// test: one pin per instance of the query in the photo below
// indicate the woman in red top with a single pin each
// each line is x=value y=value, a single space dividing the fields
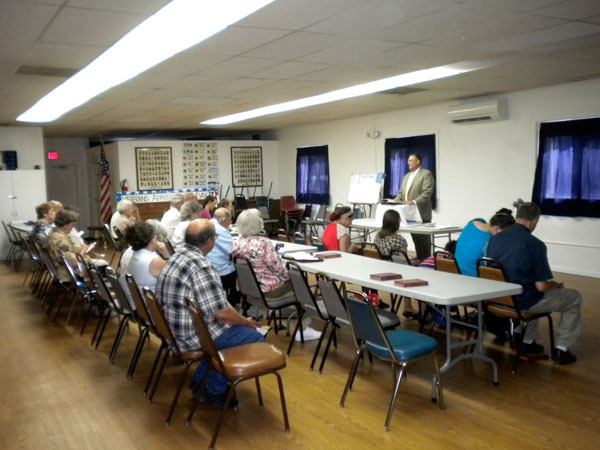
x=337 y=233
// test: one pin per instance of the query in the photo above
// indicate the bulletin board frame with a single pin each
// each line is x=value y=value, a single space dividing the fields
x=154 y=168
x=246 y=166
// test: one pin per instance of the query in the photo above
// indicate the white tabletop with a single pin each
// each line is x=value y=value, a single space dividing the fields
x=417 y=228
x=443 y=289
x=22 y=225
x=290 y=247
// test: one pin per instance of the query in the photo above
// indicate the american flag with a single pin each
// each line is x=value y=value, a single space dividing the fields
x=105 y=190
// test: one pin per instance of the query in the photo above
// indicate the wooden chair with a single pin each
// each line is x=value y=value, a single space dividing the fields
x=399 y=347
x=507 y=307
x=169 y=344
x=238 y=364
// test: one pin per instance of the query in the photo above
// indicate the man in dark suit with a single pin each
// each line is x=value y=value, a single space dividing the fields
x=417 y=188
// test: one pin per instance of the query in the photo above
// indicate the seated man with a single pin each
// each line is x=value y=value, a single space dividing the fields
x=44 y=225
x=189 y=274
x=172 y=217
x=220 y=256
x=525 y=262
x=125 y=216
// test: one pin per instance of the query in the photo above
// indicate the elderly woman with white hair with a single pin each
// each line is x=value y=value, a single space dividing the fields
x=125 y=216
x=172 y=216
x=190 y=210
x=270 y=270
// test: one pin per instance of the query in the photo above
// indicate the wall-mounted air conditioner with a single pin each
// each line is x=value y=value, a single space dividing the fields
x=483 y=111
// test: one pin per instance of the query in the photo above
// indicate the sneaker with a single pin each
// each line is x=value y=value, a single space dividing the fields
x=533 y=348
x=563 y=357
x=310 y=334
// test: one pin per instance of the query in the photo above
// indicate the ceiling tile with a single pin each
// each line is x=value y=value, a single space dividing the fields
x=239 y=66
x=295 y=45
x=295 y=15
x=350 y=51
x=71 y=56
x=514 y=5
x=90 y=27
x=129 y=6
x=572 y=9
x=24 y=19
x=12 y=49
x=187 y=63
x=235 y=40
x=202 y=101
x=238 y=85
x=289 y=70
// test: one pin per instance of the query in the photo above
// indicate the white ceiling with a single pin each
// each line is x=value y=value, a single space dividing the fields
x=291 y=49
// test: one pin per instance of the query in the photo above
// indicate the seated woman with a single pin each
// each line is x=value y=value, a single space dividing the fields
x=146 y=262
x=209 y=204
x=43 y=227
x=337 y=233
x=125 y=216
x=161 y=234
x=190 y=210
x=474 y=238
x=388 y=241
x=270 y=270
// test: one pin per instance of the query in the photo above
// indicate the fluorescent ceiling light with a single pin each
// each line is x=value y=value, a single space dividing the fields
x=176 y=27
x=406 y=79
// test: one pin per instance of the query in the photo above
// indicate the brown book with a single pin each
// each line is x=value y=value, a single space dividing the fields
x=327 y=255
x=411 y=283
x=385 y=276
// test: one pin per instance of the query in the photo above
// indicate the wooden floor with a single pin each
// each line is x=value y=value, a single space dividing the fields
x=56 y=392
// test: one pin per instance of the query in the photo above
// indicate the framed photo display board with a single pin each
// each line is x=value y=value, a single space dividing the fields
x=154 y=168
x=246 y=166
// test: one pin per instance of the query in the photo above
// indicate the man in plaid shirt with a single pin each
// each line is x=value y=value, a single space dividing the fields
x=190 y=274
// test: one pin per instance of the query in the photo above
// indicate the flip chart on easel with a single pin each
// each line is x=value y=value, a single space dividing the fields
x=365 y=188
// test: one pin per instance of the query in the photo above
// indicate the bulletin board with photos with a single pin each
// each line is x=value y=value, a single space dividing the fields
x=200 y=164
x=154 y=168
x=246 y=166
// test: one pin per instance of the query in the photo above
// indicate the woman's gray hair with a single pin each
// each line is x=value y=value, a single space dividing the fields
x=124 y=205
x=249 y=222
x=160 y=231
x=188 y=209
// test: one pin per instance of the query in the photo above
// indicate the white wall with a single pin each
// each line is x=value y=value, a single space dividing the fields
x=27 y=141
x=270 y=154
x=481 y=166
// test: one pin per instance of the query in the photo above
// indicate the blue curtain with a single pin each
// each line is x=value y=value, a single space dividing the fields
x=312 y=175
x=396 y=154
x=567 y=177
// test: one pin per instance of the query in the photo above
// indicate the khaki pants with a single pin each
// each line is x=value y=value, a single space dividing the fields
x=568 y=303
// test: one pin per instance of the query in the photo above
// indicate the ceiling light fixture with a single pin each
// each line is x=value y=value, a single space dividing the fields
x=176 y=27
x=371 y=87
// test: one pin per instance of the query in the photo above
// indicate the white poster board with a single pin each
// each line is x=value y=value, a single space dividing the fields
x=365 y=188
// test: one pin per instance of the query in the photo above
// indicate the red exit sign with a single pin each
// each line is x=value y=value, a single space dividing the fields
x=53 y=156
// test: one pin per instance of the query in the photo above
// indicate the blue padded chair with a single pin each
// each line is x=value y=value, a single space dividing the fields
x=396 y=346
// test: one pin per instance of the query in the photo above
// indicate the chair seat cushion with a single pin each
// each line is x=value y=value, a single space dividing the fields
x=251 y=360
x=388 y=319
x=406 y=344
x=282 y=301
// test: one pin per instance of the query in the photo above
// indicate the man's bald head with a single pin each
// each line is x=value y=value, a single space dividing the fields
x=223 y=216
x=201 y=234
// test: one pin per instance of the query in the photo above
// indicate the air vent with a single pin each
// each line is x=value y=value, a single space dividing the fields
x=61 y=72
x=403 y=91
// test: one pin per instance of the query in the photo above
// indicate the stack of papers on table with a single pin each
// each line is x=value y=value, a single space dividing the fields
x=301 y=256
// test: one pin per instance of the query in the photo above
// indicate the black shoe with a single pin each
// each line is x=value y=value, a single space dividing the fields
x=533 y=348
x=563 y=357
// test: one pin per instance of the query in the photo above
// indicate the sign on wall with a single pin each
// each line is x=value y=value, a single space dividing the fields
x=246 y=166
x=200 y=164
x=154 y=168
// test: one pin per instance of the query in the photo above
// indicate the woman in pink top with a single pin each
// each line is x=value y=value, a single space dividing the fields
x=209 y=204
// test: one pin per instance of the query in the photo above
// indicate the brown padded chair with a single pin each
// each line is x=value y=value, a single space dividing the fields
x=169 y=344
x=237 y=364
x=508 y=308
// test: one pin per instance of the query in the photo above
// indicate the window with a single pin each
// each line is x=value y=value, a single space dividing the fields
x=312 y=175
x=567 y=175
x=396 y=154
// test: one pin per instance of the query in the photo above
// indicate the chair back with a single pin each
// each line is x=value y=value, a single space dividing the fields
x=163 y=330
x=401 y=258
x=48 y=262
x=288 y=203
x=301 y=288
x=445 y=264
x=73 y=277
x=334 y=303
x=365 y=324
x=381 y=255
x=170 y=248
x=206 y=341
x=31 y=250
x=119 y=295
x=490 y=269
x=282 y=235
x=249 y=285
x=103 y=293
x=138 y=300
x=317 y=242
x=84 y=272
x=109 y=236
x=9 y=233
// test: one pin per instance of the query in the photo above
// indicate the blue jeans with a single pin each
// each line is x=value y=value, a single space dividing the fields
x=232 y=337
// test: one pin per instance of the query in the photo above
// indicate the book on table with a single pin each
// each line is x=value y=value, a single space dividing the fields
x=327 y=255
x=385 y=276
x=414 y=282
